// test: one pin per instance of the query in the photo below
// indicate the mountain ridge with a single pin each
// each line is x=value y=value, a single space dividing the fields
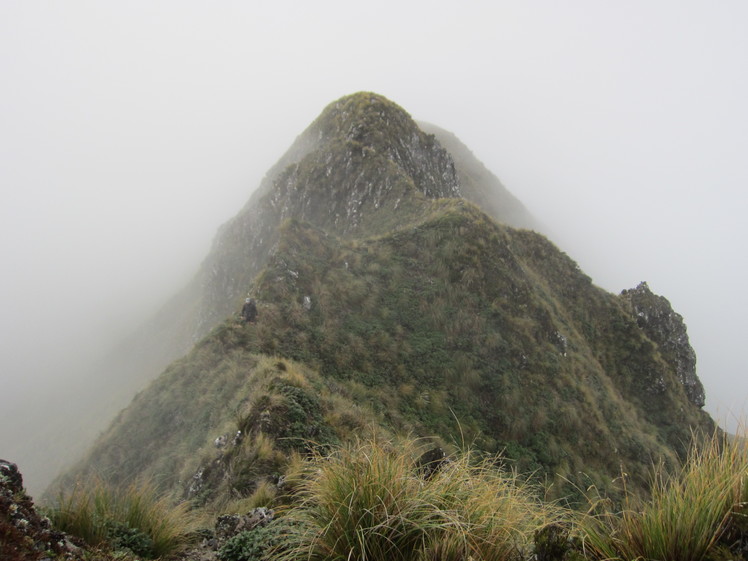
x=385 y=294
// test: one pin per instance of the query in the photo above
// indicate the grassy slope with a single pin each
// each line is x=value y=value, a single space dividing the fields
x=459 y=317
x=454 y=326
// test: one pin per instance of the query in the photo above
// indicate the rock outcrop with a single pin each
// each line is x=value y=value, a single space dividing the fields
x=656 y=317
x=24 y=534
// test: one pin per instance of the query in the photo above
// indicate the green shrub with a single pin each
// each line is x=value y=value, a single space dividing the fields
x=121 y=536
x=257 y=544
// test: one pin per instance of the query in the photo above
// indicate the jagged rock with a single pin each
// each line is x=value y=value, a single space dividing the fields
x=11 y=476
x=656 y=317
x=231 y=524
x=24 y=535
x=197 y=483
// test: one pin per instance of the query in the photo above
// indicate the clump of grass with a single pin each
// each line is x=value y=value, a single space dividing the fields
x=686 y=514
x=369 y=501
x=263 y=496
x=109 y=516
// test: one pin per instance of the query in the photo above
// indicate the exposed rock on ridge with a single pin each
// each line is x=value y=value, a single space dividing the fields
x=24 y=534
x=666 y=328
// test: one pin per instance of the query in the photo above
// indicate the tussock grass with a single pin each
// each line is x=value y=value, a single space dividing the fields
x=262 y=496
x=100 y=513
x=369 y=501
x=686 y=514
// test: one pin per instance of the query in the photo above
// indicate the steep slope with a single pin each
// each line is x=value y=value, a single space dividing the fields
x=458 y=317
x=388 y=301
x=452 y=326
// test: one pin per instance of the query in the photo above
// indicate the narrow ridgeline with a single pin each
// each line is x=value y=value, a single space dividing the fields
x=396 y=295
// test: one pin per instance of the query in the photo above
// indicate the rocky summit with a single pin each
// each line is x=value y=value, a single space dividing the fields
x=399 y=292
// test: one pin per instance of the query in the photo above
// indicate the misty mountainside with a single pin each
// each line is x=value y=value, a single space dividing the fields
x=379 y=167
x=396 y=296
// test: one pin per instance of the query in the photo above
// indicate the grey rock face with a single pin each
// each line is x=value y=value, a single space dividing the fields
x=656 y=317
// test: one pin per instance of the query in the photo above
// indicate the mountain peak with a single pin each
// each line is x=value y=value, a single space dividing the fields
x=364 y=117
x=364 y=138
x=361 y=105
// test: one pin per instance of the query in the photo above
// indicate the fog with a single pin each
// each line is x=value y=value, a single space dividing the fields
x=130 y=131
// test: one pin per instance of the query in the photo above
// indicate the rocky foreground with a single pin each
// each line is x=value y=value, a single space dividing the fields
x=25 y=534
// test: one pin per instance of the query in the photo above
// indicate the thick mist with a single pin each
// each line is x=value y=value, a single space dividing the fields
x=129 y=132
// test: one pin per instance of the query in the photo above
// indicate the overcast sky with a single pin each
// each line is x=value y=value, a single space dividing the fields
x=129 y=131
